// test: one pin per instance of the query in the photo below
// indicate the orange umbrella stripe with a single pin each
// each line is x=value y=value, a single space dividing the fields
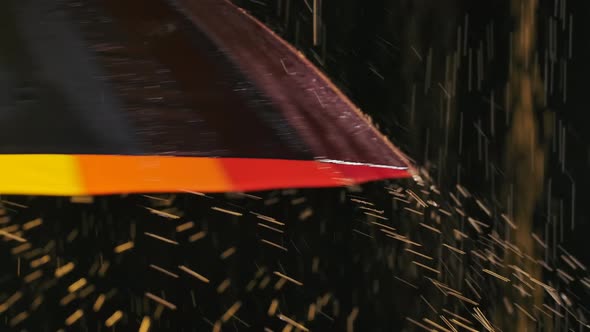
x=103 y=174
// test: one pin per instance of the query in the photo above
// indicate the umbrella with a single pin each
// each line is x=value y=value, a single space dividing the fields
x=158 y=96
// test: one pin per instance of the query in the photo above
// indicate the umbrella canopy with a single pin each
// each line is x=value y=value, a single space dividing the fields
x=153 y=96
